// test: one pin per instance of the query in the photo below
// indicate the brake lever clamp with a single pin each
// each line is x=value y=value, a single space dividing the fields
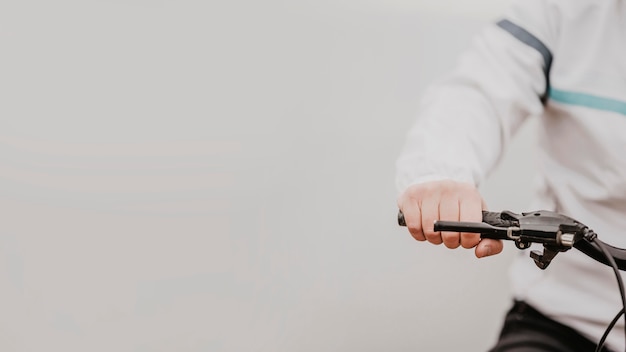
x=556 y=232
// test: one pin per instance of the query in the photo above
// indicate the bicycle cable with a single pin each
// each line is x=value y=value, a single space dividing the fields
x=591 y=236
x=608 y=330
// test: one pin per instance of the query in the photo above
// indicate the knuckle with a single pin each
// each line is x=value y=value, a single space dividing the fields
x=418 y=237
x=429 y=233
x=433 y=237
x=415 y=229
x=469 y=240
x=417 y=191
x=417 y=234
x=413 y=223
x=469 y=192
x=450 y=239
x=429 y=228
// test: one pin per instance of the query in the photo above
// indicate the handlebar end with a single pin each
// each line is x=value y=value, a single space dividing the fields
x=401 y=220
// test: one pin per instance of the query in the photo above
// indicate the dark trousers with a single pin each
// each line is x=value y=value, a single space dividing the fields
x=527 y=330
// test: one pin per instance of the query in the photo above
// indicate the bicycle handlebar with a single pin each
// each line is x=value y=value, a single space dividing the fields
x=557 y=233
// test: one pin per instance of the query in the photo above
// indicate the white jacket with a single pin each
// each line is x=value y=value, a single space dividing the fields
x=564 y=60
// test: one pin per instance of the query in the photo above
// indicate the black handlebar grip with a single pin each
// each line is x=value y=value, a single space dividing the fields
x=401 y=221
x=489 y=217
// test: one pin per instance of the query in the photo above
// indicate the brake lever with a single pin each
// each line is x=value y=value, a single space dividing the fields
x=557 y=233
x=485 y=230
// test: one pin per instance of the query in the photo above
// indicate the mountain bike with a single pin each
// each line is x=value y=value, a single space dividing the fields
x=556 y=232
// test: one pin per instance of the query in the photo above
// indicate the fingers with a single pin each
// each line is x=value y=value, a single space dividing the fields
x=423 y=204
x=449 y=211
x=430 y=214
x=470 y=209
x=427 y=203
x=413 y=219
x=486 y=247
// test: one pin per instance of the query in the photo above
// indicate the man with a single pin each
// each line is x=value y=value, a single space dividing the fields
x=564 y=60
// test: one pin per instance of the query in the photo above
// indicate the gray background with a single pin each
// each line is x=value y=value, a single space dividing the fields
x=201 y=176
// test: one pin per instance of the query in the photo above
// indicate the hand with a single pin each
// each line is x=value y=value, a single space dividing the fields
x=423 y=204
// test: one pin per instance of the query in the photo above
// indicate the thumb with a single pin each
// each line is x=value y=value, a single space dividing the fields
x=487 y=247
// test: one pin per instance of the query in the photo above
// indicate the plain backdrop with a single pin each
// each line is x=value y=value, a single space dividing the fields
x=219 y=176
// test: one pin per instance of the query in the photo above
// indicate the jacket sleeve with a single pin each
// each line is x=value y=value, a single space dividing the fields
x=466 y=119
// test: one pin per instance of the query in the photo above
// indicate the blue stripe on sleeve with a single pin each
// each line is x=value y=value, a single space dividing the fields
x=588 y=100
